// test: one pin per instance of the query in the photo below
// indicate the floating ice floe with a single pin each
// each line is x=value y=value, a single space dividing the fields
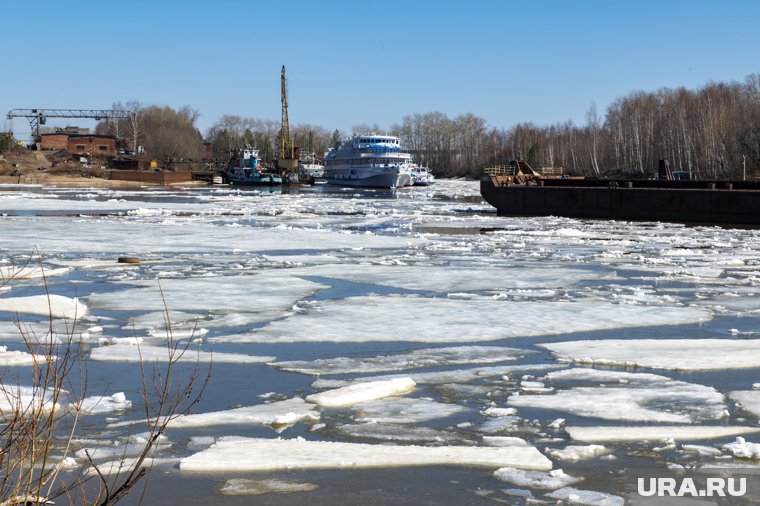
x=441 y=377
x=415 y=359
x=16 y=399
x=251 y=454
x=8 y=273
x=575 y=453
x=504 y=441
x=399 y=432
x=261 y=296
x=675 y=354
x=246 y=486
x=601 y=434
x=446 y=278
x=636 y=399
x=361 y=392
x=450 y=320
x=55 y=306
x=404 y=410
x=743 y=450
x=748 y=400
x=131 y=353
x=279 y=413
x=536 y=479
x=11 y=358
x=586 y=497
x=103 y=404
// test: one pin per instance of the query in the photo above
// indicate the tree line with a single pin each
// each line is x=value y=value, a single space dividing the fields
x=711 y=132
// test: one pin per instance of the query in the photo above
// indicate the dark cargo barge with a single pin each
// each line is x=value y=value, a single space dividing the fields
x=687 y=201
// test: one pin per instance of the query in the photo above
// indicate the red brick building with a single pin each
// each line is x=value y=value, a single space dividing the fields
x=94 y=145
x=54 y=141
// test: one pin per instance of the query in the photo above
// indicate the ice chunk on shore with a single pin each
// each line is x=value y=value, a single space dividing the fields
x=131 y=353
x=246 y=486
x=536 y=479
x=279 y=413
x=675 y=354
x=360 y=392
x=56 y=306
x=637 y=398
x=451 y=320
x=425 y=357
x=405 y=410
x=251 y=454
x=601 y=434
x=575 y=453
x=586 y=497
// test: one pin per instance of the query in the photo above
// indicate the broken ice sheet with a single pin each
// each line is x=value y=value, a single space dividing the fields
x=748 y=400
x=449 y=278
x=675 y=354
x=362 y=391
x=254 y=454
x=399 y=432
x=640 y=397
x=575 y=453
x=405 y=410
x=103 y=404
x=424 y=357
x=586 y=497
x=265 y=295
x=145 y=353
x=54 y=306
x=451 y=320
x=280 y=413
x=598 y=434
x=536 y=479
x=246 y=486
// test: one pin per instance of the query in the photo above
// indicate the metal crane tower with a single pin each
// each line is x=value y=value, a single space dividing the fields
x=39 y=117
x=287 y=161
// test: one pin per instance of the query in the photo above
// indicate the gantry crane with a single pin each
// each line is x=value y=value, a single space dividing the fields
x=287 y=159
x=39 y=117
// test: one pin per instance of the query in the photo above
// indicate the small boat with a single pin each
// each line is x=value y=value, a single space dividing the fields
x=248 y=171
x=421 y=176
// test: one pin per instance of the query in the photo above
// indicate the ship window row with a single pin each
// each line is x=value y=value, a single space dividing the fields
x=365 y=161
x=391 y=141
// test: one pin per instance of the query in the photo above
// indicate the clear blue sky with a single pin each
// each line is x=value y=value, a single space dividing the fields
x=353 y=62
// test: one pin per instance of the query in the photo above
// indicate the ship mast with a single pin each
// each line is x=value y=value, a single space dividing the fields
x=286 y=160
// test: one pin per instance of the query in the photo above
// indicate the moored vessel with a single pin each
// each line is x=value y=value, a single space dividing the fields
x=368 y=160
x=247 y=171
x=518 y=190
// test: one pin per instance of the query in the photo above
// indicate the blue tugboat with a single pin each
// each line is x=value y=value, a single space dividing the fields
x=248 y=171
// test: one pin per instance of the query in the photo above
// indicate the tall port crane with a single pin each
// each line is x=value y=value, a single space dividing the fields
x=287 y=159
x=39 y=117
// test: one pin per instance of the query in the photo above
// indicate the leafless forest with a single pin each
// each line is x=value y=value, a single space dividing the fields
x=711 y=132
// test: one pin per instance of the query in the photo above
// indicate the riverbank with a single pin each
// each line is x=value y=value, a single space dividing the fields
x=78 y=181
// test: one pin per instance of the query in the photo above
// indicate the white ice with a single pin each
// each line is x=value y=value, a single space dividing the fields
x=277 y=413
x=639 y=397
x=452 y=320
x=448 y=278
x=748 y=400
x=574 y=453
x=405 y=410
x=11 y=358
x=361 y=392
x=504 y=441
x=399 y=432
x=675 y=354
x=250 y=454
x=132 y=353
x=424 y=357
x=103 y=404
x=246 y=486
x=599 y=434
x=536 y=479
x=8 y=273
x=18 y=398
x=261 y=296
x=586 y=497
x=743 y=449
x=55 y=306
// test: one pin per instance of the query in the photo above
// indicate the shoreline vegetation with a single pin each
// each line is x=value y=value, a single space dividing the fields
x=710 y=132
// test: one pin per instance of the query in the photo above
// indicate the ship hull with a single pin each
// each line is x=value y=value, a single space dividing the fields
x=383 y=180
x=719 y=202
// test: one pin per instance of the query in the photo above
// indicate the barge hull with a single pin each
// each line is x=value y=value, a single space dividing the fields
x=721 y=203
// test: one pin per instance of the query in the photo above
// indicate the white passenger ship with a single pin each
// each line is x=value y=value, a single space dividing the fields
x=368 y=160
